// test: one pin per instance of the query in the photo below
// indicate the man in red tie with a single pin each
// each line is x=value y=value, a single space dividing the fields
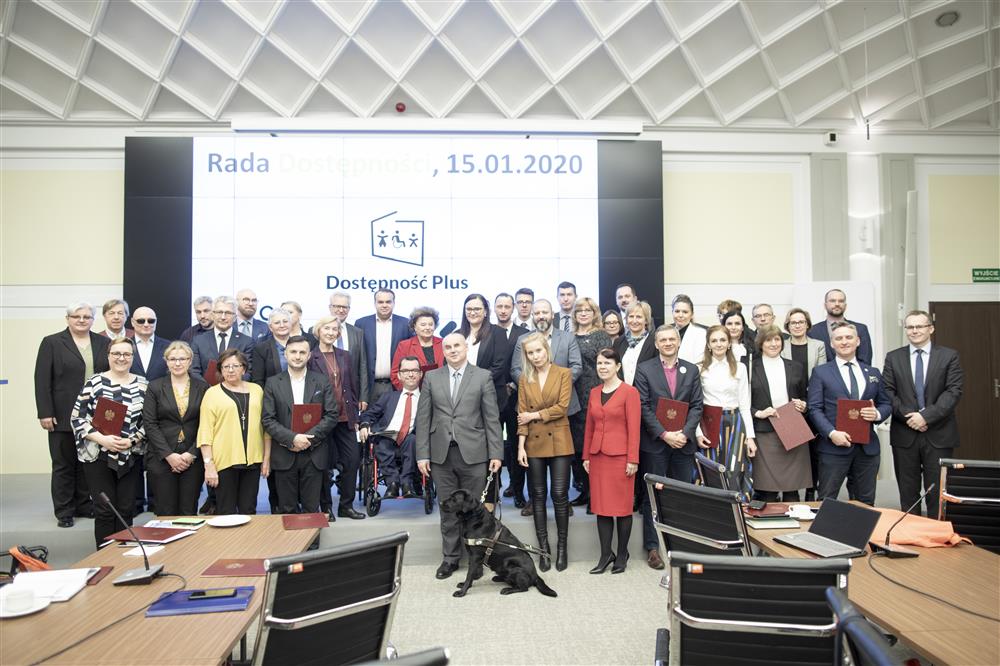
x=394 y=413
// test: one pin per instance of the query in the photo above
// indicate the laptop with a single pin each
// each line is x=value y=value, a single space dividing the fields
x=840 y=529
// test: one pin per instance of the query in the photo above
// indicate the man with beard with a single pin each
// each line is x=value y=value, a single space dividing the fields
x=835 y=303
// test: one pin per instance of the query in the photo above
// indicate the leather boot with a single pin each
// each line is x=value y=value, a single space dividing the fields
x=544 y=561
x=562 y=530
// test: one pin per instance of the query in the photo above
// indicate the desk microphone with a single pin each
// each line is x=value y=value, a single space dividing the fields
x=133 y=576
x=896 y=551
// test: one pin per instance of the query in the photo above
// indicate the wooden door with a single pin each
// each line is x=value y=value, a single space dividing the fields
x=974 y=330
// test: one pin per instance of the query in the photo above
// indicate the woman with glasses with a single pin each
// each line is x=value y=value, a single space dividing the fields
x=65 y=361
x=613 y=325
x=171 y=415
x=808 y=353
x=590 y=338
x=109 y=460
x=234 y=447
x=424 y=344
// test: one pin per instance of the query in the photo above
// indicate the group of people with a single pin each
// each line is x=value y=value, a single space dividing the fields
x=563 y=397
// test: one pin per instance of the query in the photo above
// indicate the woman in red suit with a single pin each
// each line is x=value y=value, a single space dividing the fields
x=424 y=345
x=611 y=457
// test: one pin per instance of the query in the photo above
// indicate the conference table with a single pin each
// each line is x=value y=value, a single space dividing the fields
x=181 y=639
x=964 y=575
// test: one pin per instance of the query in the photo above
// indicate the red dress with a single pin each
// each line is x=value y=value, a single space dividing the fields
x=610 y=440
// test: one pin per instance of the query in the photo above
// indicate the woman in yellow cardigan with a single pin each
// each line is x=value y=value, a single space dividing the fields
x=544 y=439
x=234 y=446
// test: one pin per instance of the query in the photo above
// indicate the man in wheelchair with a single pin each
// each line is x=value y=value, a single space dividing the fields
x=390 y=419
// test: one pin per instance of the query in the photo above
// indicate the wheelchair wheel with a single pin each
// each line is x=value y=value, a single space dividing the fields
x=373 y=503
x=429 y=495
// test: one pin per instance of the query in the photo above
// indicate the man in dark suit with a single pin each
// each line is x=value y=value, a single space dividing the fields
x=203 y=315
x=835 y=303
x=60 y=371
x=924 y=385
x=566 y=297
x=846 y=378
x=269 y=352
x=503 y=307
x=458 y=436
x=352 y=340
x=383 y=332
x=207 y=346
x=396 y=411
x=662 y=452
x=298 y=459
x=624 y=297
x=148 y=360
x=246 y=324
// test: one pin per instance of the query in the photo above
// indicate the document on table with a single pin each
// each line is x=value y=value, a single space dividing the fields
x=54 y=584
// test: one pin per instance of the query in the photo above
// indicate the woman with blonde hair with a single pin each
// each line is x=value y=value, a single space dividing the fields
x=590 y=338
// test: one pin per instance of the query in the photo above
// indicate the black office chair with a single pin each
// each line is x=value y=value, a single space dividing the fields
x=750 y=611
x=865 y=644
x=332 y=606
x=697 y=519
x=970 y=499
x=712 y=474
x=438 y=656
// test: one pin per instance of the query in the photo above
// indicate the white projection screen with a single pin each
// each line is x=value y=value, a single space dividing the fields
x=434 y=219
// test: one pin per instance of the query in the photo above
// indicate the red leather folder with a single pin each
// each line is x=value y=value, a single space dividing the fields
x=791 y=427
x=212 y=373
x=711 y=424
x=109 y=417
x=849 y=420
x=235 y=568
x=304 y=521
x=672 y=414
x=306 y=417
x=148 y=534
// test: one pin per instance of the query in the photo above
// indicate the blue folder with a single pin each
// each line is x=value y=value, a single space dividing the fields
x=180 y=603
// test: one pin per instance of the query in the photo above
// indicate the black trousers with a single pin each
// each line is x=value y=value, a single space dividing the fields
x=345 y=454
x=119 y=489
x=454 y=473
x=70 y=495
x=557 y=469
x=176 y=494
x=662 y=461
x=508 y=420
x=299 y=486
x=237 y=490
x=385 y=452
x=917 y=467
x=577 y=426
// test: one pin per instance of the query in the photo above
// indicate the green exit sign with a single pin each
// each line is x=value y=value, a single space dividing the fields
x=986 y=274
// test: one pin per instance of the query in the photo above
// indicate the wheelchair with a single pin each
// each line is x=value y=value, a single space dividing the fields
x=371 y=478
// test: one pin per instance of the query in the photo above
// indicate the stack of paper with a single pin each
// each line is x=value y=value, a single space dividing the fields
x=55 y=584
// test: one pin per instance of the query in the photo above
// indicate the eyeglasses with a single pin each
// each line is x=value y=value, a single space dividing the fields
x=248 y=300
x=120 y=354
x=230 y=368
x=340 y=307
x=183 y=359
x=797 y=322
x=143 y=322
x=764 y=315
x=473 y=309
x=409 y=372
x=80 y=317
x=223 y=313
x=916 y=327
x=522 y=302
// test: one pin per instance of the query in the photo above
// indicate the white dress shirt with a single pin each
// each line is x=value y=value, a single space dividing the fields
x=383 y=351
x=298 y=389
x=473 y=353
x=913 y=361
x=630 y=359
x=527 y=323
x=777 y=382
x=396 y=422
x=858 y=375
x=145 y=350
x=721 y=389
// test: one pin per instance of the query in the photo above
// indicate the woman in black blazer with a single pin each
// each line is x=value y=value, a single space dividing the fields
x=638 y=336
x=171 y=413
x=776 y=381
x=65 y=361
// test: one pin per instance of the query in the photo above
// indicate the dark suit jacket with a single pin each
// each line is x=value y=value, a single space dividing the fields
x=400 y=331
x=652 y=385
x=359 y=361
x=943 y=379
x=266 y=361
x=260 y=328
x=277 y=418
x=380 y=413
x=647 y=350
x=164 y=423
x=826 y=386
x=189 y=333
x=507 y=394
x=493 y=356
x=760 y=389
x=822 y=333
x=157 y=365
x=349 y=393
x=206 y=348
x=59 y=370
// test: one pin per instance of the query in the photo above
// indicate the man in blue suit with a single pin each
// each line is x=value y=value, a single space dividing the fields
x=148 y=360
x=208 y=345
x=396 y=411
x=383 y=332
x=847 y=378
x=246 y=324
x=835 y=303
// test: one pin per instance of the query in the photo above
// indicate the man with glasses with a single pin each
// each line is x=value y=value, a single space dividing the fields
x=352 y=340
x=383 y=331
x=835 y=302
x=524 y=300
x=203 y=313
x=395 y=413
x=65 y=361
x=246 y=324
x=924 y=383
x=763 y=316
x=148 y=361
x=207 y=346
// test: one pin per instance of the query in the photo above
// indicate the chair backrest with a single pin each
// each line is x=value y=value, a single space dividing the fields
x=711 y=473
x=865 y=644
x=750 y=611
x=438 y=656
x=331 y=606
x=970 y=499
x=697 y=519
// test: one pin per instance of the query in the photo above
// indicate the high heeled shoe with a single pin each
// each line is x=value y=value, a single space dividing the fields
x=620 y=568
x=603 y=564
x=562 y=558
x=544 y=561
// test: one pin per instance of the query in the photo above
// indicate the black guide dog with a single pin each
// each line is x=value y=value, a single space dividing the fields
x=511 y=564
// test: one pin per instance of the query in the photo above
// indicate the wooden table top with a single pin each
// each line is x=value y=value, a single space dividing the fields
x=183 y=639
x=964 y=575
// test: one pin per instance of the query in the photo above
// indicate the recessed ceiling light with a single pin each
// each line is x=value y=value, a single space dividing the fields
x=947 y=19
